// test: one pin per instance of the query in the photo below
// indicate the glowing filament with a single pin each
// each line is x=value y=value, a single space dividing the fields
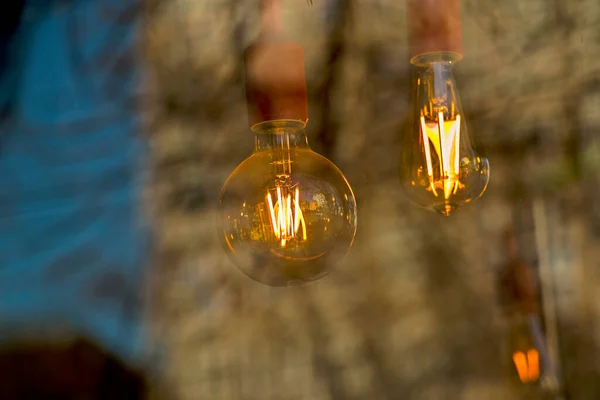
x=286 y=216
x=445 y=138
x=528 y=365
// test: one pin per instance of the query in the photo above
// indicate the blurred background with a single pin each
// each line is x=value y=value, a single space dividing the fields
x=497 y=301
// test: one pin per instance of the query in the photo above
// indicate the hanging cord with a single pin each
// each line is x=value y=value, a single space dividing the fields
x=275 y=71
x=271 y=21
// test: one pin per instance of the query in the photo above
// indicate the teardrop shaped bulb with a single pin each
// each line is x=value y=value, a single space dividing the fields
x=440 y=169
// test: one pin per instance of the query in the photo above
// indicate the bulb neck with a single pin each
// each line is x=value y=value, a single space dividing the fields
x=271 y=21
x=278 y=135
x=436 y=58
x=437 y=90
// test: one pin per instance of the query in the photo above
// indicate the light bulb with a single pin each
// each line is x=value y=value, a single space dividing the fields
x=287 y=215
x=440 y=169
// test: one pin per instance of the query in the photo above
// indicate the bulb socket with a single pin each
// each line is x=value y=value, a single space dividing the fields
x=275 y=82
x=434 y=27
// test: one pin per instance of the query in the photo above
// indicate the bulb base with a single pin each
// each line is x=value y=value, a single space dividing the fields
x=275 y=82
x=433 y=27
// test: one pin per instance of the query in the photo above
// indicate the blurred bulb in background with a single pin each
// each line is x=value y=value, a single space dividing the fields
x=440 y=169
x=286 y=214
x=525 y=357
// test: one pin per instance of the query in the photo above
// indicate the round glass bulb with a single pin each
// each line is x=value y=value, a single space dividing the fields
x=287 y=215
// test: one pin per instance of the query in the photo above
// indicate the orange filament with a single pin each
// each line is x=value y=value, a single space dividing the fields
x=445 y=138
x=528 y=365
x=286 y=216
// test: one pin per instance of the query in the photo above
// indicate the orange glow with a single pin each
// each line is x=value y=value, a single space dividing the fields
x=286 y=216
x=527 y=364
x=534 y=364
x=445 y=138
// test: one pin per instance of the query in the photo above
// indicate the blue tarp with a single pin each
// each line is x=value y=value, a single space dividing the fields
x=72 y=238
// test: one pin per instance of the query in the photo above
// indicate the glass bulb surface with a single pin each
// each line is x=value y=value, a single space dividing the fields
x=287 y=215
x=440 y=169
